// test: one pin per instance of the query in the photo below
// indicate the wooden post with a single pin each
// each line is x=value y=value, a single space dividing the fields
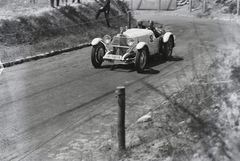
x=121 y=118
x=129 y=19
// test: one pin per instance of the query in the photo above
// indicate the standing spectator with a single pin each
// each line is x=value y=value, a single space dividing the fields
x=58 y=2
x=106 y=10
x=52 y=3
x=78 y=1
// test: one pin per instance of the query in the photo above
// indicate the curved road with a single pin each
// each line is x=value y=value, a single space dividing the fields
x=61 y=108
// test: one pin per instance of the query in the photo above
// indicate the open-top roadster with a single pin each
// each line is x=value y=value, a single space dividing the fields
x=132 y=46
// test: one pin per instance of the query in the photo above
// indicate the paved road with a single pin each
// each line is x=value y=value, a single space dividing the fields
x=60 y=108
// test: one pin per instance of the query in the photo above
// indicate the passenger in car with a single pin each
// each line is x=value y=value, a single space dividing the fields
x=140 y=24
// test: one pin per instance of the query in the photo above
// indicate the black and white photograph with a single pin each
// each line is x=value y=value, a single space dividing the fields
x=119 y=80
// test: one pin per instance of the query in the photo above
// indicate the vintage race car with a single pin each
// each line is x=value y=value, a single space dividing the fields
x=132 y=46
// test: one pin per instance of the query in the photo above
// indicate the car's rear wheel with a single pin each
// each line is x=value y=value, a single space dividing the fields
x=98 y=51
x=141 y=59
x=168 y=48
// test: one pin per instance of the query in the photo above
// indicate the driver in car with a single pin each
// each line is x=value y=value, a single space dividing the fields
x=151 y=27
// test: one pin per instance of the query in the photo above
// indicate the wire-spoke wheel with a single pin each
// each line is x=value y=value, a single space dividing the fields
x=98 y=51
x=168 y=48
x=141 y=59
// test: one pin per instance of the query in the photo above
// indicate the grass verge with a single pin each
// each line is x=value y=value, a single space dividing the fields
x=200 y=122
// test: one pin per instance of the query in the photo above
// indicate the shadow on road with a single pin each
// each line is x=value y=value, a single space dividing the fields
x=176 y=58
x=119 y=67
x=153 y=62
x=156 y=61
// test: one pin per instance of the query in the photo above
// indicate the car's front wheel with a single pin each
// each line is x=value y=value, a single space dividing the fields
x=98 y=51
x=141 y=59
x=168 y=48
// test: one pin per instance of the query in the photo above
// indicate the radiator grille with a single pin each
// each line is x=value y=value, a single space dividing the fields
x=120 y=45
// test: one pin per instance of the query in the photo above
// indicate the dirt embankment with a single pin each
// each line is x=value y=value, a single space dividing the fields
x=48 y=29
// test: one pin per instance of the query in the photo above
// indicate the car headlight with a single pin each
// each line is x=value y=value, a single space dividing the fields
x=130 y=41
x=107 y=39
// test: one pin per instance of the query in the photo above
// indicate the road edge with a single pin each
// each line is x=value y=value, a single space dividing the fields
x=45 y=55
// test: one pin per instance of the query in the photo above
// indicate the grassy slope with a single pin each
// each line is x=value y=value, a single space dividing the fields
x=30 y=33
x=201 y=122
x=215 y=8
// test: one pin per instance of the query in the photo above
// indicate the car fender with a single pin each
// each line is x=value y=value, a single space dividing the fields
x=140 y=45
x=96 y=41
x=166 y=36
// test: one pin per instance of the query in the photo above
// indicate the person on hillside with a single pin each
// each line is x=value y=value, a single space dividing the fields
x=58 y=2
x=106 y=9
x=78 y=1
x=52 y=3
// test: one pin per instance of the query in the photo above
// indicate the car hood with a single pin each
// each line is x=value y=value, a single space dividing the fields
x=136 y=33
x=139 y=35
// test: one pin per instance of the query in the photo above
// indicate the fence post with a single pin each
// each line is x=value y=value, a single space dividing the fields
x=129 y=19
x=121 y=117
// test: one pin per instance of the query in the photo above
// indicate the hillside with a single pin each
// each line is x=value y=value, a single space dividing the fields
x=29 y=29
x=215 y=8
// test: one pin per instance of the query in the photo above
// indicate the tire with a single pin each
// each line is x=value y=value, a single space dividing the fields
x=98 y=51
x=168 y=48
x=141 y=59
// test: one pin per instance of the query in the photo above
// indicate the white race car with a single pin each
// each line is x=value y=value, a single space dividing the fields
x=132 y=46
